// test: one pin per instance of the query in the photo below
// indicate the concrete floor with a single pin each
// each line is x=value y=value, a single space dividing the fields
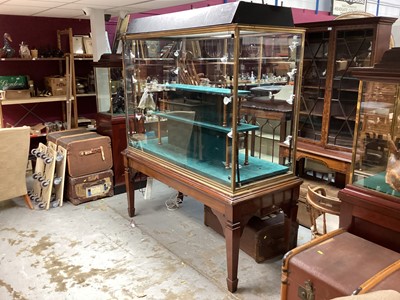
x=95 y=251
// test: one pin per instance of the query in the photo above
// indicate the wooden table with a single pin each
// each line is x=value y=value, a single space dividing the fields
x=269 y=110
x=338 y=161
x=233 y=210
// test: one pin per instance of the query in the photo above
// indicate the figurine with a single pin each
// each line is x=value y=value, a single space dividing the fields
x=392 y=177
x=24 y=51
x=118 y=101
x=7 y=51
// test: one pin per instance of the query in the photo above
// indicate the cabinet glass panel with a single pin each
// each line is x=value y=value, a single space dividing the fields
x=110 y=90
x=353 y=49
x=186 y=91
x=313 y=88
x=377 y=164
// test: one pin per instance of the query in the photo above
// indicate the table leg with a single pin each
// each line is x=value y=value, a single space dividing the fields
x=232 y=239
x=130 y=191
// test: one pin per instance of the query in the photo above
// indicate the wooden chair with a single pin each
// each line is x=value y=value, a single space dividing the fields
x=324 y=211
x=14 y=152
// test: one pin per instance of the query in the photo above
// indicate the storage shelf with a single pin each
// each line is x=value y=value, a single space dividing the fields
x=206 y=89
x=85 y=95
x=225 y=129
x=34 y=59
x=33 y=100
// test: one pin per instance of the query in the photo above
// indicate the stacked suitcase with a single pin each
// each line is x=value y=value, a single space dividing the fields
x=89 y=162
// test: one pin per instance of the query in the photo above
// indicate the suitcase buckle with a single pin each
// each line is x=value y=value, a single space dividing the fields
x=306 y=292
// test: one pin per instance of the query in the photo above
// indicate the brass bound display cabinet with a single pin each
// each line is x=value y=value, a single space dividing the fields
x=187 y=76
x=371 y=203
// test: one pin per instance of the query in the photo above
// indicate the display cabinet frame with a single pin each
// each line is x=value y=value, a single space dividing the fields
x=233 y=201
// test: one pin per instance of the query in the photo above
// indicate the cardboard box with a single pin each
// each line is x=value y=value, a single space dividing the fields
x=14 y=94
x=57 y=85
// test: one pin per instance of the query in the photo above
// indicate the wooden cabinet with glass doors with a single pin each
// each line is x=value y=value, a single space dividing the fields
x=329 y=92
x=371 y=202
x=191 y=78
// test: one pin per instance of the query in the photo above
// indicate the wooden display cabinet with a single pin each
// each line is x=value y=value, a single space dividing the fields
x=329 y=92
x=189 y=76
x=371 y=203
x=111 y=119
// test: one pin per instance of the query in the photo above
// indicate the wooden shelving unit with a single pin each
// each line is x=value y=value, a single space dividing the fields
x=67 y=99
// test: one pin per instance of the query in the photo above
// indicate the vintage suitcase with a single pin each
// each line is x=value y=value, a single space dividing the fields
x=338 y=264
x=261 y=239
x=89 y=187
x=54 y=136
x=88 y=153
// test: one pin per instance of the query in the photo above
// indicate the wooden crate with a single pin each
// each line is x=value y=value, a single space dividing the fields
x=14 y=94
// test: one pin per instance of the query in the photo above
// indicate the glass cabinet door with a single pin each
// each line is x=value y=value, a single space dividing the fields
x=377 y=163
x=313 y=89
x=353 y=49
x=110 y=90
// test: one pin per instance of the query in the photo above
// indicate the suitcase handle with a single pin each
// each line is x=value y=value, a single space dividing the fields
x=93 y=151
x=90 y=184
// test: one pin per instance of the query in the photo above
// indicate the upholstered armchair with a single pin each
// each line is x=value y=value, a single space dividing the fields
x=14 y=152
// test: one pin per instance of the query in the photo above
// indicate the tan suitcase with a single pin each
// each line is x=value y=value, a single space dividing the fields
x=88 y=153
x=90 y=187
x=55 y=135
x=338 y=264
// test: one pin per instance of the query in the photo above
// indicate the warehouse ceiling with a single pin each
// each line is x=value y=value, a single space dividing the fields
x=74 y=9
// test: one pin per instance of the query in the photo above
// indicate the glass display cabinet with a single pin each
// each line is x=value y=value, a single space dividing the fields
x=110 y=121
x=371 y=203
x=190 y=73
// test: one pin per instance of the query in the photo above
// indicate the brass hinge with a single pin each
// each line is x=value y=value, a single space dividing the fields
x=306 y=292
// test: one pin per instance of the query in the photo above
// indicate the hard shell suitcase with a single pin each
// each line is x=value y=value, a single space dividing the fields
x=54 y=136
x=262 y=239
x=90 y=187
x=87 y=153
x=338 y=264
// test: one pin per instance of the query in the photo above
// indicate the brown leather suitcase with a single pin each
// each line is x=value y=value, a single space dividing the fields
x=88 y=153
x=54 y=136
x=338 y=264
x=90 y=187
x=262 y=239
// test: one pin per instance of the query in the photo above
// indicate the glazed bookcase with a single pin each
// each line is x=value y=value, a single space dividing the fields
x=329 y=93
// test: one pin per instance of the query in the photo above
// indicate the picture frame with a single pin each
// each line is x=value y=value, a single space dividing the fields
x=78 y=44
x=87 y=43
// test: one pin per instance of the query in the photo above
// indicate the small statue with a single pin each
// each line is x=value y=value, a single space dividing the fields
x=7 y=51
x=118 y=101
x=392 y=177
x=24 y=51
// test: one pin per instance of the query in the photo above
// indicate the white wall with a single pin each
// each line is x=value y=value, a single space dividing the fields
x=387 y=8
